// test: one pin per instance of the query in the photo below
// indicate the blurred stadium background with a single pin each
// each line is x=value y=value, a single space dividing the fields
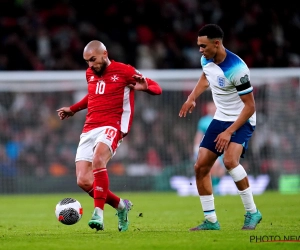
x=41 y=69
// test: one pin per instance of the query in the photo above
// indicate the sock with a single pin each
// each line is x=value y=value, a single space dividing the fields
x=208 y=206
x=121 y=205
x=91 y=192
x=247 y=199
x=101 y=184
x=99 y=211
x=112 y=199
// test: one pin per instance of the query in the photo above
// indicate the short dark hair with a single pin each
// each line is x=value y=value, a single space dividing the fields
x=211 y=31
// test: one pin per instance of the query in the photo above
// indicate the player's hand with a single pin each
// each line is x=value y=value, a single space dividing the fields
x=188 y=106
x=140 y=83
x=64 y=112
x=222 y=141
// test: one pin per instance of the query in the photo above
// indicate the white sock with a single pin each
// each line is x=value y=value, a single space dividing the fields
x=121 y=205
x=208 y=206
x=248 y=201
x=99 y=211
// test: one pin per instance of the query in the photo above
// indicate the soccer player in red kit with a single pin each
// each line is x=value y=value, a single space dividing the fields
x=110 y=103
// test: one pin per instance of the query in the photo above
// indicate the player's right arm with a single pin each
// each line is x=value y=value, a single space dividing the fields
x=190 y=103
x=66 y=112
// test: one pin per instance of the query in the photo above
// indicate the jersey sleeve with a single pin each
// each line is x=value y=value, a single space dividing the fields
x=204 y=61
x=129 y=72
x=241 y=80
x=153 y=87
x=82 y=104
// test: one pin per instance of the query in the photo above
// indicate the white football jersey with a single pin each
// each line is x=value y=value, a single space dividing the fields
x=228 y=81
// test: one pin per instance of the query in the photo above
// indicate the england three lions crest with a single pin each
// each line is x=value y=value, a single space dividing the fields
x=221 y=81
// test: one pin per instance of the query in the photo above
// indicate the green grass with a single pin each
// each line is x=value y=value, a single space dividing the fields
x=28 y=222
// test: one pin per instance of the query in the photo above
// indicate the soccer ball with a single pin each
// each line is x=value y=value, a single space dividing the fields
x=68 y=211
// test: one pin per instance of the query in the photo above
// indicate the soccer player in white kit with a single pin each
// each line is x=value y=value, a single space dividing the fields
x=234 y=121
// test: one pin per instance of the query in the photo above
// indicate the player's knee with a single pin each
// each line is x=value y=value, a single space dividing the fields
x=84 y=182
x=99 y=162
x=200 y=169
x=230 y=163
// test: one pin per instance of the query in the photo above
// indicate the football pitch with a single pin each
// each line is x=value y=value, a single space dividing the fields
x=157 y=221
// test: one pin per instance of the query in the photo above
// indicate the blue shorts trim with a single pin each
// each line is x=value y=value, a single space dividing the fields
x=241 y=136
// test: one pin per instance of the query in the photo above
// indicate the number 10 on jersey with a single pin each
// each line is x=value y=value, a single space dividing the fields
x=100 y=87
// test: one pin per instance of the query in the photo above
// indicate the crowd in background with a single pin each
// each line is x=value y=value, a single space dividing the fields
x=34 y=142
x=152 y=34
x=50 y=35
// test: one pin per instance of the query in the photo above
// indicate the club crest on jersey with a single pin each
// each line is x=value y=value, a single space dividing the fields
x=244 y=79
x=114 y=78
x=221 y=81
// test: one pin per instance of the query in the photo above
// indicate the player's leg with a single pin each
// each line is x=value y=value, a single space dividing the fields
x=84 y=171
x=102 y=155
x=85 y=177
x=84 y=158
x=85 y=180
x=107 y=142
x=83 y=161
x=217 y=171
x=206 y=159
x=122 y=207
x=232 y=155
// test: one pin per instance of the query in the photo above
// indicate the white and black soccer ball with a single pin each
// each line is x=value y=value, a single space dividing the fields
x=68 y=211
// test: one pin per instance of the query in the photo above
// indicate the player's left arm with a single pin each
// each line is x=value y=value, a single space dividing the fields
x=241 y=80
x=223 y=139
x=139 y=82
x=147 y=85
x=246 y=113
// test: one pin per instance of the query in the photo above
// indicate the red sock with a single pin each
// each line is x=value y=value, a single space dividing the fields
x=101 y=184
x=112 y=199
x=91 y=191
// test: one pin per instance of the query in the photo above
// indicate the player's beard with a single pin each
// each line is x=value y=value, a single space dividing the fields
x=100 y=72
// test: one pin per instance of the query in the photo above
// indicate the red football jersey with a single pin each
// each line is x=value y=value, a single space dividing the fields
x=110 y=102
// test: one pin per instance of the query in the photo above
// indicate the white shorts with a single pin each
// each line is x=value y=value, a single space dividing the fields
x=108 y=135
